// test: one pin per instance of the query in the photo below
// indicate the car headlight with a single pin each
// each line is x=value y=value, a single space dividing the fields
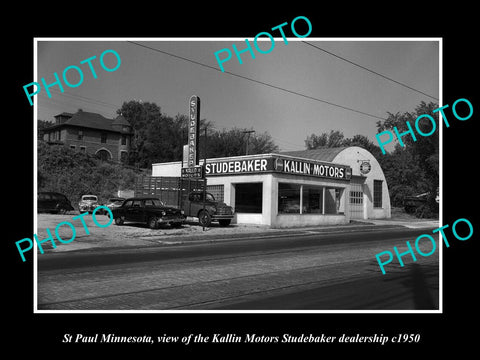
x=163 y=213
x=182 y=212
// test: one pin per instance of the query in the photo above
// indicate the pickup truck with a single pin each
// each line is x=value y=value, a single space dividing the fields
x=147 y=210
x=192 y=205
x=185 y=194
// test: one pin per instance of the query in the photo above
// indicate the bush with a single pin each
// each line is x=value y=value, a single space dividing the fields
x=74 y=174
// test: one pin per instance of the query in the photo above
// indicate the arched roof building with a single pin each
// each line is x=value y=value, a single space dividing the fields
x=297 y=188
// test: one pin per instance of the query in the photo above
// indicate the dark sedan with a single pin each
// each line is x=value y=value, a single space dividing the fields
x=53 y=202
x=150 y=211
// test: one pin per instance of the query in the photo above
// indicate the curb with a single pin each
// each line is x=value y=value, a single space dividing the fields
x=187 y=239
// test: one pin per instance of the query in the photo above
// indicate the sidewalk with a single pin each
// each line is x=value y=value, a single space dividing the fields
x=412 y=224
x=139 y=235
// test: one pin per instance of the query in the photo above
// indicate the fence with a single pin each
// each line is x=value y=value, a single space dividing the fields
x=170 y=190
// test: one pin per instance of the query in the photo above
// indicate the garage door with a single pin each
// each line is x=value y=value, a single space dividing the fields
x=356 y=198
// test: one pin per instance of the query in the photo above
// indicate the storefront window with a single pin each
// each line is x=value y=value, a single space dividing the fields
x=249 y=198
x=332 y=201
x=288 y=198
x=312 y=200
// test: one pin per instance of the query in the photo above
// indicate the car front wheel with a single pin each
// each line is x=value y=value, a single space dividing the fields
x=119 y=221
x=153 y=222
x=204 y=218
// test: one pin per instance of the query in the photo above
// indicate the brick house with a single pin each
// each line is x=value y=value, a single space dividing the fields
x=109 y=139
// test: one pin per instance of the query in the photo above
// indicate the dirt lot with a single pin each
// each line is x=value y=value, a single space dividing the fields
x=138 y=235
x=129 y=234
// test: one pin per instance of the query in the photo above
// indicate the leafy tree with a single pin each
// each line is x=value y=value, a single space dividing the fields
x=410 y=170
x=74 y=173
x=233 y=142
x=160 y=138
x=42 y=124
x=334 y=138
x=423 y=152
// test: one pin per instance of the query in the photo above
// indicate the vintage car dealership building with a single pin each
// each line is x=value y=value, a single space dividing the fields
x=309 y=187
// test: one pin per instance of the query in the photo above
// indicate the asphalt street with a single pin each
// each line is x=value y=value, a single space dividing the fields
x=292 y=270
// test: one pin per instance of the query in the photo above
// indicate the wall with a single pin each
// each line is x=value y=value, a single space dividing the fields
x=91 y=141
x=353 y=156
x=269 y=215
x=292 y=220
x=229 y=196
x=167 y=169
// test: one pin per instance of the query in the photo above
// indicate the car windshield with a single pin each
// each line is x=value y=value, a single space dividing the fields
x=94 y=198
x=116 y=201
x=153 y=203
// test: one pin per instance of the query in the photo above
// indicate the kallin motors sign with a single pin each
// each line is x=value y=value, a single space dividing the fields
x=313 y=168
x=279 y=165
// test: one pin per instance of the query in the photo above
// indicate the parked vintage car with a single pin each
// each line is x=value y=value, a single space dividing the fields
x=88 y=203
x=212 y=211
x=53 y=202
x=149 y=210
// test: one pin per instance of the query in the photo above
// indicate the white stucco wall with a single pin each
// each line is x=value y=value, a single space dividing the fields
x=353 y=156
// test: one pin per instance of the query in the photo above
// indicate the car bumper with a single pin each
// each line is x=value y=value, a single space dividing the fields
x=222 y=217
x=171 y=219
x=88 y=208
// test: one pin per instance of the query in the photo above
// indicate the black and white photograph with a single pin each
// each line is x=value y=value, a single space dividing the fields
x=294 y=196
x=243 y=180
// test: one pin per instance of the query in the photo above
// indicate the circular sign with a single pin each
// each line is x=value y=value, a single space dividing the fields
x=279 y=164
x=365 y=167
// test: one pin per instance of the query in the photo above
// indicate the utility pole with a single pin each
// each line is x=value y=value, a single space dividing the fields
x=204 y=174
x=248 y=138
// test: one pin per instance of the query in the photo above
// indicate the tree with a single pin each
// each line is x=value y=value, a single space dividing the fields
x=156 y=137
x=334 y=138
x=75 y=173
x=223 y=143
x=42 y=124
x=160 y=138
x=410 y=170
x=414 y=167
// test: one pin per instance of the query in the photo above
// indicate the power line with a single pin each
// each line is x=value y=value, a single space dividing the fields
x=257 y=81
x=369 y=70
x=86 y=99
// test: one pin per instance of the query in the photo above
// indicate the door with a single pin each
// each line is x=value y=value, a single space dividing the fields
x=195 y=203
x=44 y=202
x=356 y=198
x=134 y=211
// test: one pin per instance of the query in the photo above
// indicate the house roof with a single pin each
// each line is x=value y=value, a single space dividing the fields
x=92 y=120
x=64 y=114
x=120 y=120
x=322 y=154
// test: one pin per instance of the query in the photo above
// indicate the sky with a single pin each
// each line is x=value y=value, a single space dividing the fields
x=230 y=101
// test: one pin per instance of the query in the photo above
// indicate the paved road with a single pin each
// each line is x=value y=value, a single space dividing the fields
x=300 y=270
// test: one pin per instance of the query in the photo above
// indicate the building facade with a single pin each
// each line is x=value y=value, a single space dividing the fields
x=301 y=188
x=109 y=139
